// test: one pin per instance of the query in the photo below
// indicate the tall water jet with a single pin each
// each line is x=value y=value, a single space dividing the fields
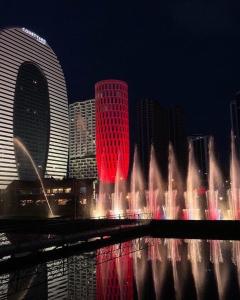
x=174 y=256
x=215 y=184
x=221 y=269
x=193 y=209
x=155 y=188
x=174 y=195
x=119 y=195
x=157 y=258
x=197 y=259
x=22 y=147
x=136 y=203
x=124 y=267
x=103 y=197
x=234 y=193
x=140 y=266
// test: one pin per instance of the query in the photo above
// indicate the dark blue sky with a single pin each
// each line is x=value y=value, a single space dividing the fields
x=179 y=52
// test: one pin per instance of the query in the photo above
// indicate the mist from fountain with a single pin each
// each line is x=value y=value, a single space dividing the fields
x=18 y=143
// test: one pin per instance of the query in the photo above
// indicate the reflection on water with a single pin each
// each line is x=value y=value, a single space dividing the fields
x=144 y=268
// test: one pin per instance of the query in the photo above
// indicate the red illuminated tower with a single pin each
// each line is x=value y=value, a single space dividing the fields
x=112 y=129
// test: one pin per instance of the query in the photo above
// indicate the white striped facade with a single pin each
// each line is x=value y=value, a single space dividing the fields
x=17 y=47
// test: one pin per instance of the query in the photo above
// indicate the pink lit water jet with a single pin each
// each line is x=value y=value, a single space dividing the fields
x=157 y=258
x=155 y=188
x=197 y=258
x=221 y=270
x=18 y=143
x=140 y=268
x=193 y=209
x=215 y=183
x=137 y=192
x=119 y=204
x=174 y=194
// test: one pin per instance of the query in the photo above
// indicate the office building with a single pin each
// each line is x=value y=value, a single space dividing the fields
x=33 y=107
x=112 y=129
x=82 y=145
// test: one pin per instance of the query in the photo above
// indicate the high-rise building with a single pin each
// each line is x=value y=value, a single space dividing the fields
x=158 y=126
x=82 y=145
x=200 y=147
x=112 y=129
x=235 y=119
x=33 y=107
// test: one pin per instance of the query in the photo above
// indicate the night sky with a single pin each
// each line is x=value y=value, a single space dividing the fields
x=178 y=52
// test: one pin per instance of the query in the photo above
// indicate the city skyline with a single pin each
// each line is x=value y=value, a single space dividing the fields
x=178 y=53
x=119 y=150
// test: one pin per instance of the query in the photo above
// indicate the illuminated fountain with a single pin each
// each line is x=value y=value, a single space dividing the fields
x=193 y=209
x=18 y=143
x=119 y=204
x=101 y=198
x=173 y=195
x=137 y=189
x=157 y=258
x=215 y=184
x=155 y=188
x=172 y=207
x=140 y=266
x=155 y=200
x=172 y=203
x=193 y=212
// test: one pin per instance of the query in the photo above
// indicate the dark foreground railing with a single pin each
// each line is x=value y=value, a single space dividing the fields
x=36 y=241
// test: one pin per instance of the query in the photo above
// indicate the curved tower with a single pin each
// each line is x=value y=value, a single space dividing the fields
x=33 y=107
x=112 y=129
